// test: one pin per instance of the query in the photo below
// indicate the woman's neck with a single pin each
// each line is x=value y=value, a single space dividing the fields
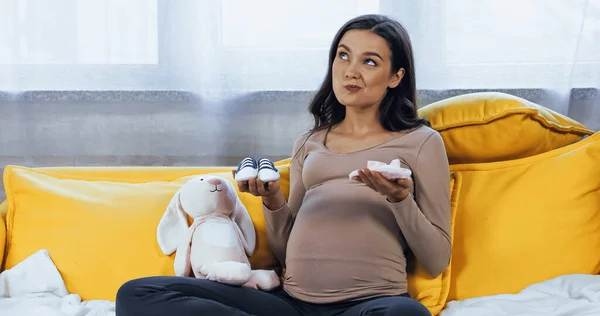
x=360 y=122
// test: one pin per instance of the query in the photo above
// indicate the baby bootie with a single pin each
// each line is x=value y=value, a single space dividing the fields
x=246 y=170
x=393 y=171
x=267 y=171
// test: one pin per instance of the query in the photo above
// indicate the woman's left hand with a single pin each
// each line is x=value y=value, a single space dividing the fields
x=395 y=191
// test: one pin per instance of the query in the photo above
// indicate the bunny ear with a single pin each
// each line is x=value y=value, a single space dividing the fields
x=172 y=226
x=242 y=218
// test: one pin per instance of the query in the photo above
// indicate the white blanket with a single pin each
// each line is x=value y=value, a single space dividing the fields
x=35 y=287
x=568 y=295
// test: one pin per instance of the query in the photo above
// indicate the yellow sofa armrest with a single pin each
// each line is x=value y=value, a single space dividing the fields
x=3 y=210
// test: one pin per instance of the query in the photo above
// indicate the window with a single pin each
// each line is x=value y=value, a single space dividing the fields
x=238 y=45
x=287 y=40
x=520 y=44
x=91 y=32
x=287 y=25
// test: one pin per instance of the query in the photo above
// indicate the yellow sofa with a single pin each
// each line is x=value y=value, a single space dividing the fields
x=525 y=200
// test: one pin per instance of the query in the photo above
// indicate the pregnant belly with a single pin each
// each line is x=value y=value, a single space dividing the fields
x=344 y=248
x=350 y=270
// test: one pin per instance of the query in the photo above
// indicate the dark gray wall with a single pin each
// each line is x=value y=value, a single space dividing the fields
x=176 y=128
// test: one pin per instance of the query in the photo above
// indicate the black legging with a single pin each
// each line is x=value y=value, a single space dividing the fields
x=165 y=295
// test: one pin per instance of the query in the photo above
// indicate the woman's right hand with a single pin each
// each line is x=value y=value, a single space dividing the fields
x=258 y=188
x=271 y=194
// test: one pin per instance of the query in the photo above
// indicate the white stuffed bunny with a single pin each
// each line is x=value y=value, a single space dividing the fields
x=216 y=246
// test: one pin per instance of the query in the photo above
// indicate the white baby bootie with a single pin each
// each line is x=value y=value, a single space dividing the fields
x=246 y=170
x=267 y=171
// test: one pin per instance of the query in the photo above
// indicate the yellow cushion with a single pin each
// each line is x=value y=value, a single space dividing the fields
x=433 y=292
x=491 y=126
x=3 y=210
x=100 y=233
x=528 y=220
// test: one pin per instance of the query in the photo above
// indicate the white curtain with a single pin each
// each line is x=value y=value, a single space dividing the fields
x=219 y=49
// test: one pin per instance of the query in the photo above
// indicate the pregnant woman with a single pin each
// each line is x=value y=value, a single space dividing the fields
x=345 y=243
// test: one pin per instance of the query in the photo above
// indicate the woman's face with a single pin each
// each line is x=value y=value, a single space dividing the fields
x=362 y=70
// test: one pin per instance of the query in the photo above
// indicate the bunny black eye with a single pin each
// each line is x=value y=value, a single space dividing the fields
x=202 y=179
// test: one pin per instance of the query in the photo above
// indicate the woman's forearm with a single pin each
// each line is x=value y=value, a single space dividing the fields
x=279 y=222
x=274 y=201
